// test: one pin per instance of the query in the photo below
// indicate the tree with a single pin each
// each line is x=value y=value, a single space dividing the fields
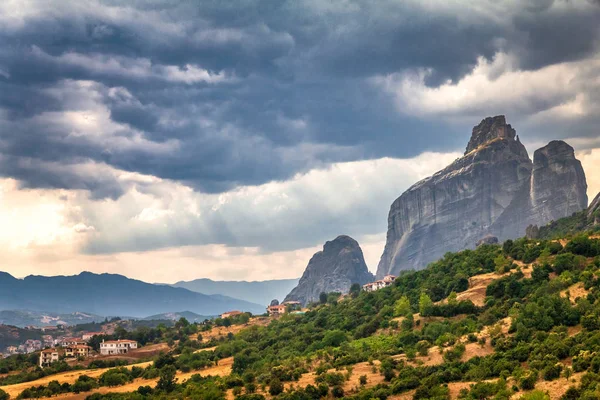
x=4 y=395
x=453 y=299
x=502 y=264
x=323 y=298
x=425 y=304
x=275 y=387
x=402 y=307
x=167 y=379
x=355 y=290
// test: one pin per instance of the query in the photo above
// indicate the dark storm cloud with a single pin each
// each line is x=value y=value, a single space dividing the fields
x=219 y=94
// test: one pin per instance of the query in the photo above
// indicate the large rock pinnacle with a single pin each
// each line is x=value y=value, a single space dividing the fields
x=334 y=269
x=494 y=189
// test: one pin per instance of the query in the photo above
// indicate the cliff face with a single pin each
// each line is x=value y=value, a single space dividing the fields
x=334 y=269
x=494 y=189
x=558 y=184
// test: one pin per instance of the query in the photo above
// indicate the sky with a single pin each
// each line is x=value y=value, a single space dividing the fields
x=174 y=140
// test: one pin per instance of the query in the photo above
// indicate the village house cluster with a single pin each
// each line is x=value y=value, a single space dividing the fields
x=77 y=347
x=387 y=280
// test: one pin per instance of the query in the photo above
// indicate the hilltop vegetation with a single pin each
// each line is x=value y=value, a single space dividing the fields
x=501 y=321
x=422 y=337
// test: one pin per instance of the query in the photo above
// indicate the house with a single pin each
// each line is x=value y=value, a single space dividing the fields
x=230 y=314
x=12 y=349
x=49 y=356
x=68 y=342
x=387 y=280
x=49 y=328
x=117 y=346
x=88 y=335
x=79 y=350
x=276 y=310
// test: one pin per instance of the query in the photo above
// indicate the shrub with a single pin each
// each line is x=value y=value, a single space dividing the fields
x=337 y=392
x=275 y=387
x=362 y=380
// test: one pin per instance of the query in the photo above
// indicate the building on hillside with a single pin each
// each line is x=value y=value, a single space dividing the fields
x=71 y=341
x=117 y=346
x=79 y=350
x=88 y=335
x=49 y=328
x=49 y=356
x=279 y=309
x=12 y=349
x=276 y=310
x=387 y=280
x=231 y=314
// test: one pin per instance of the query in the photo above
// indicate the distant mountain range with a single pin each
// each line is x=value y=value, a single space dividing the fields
x=175 y=316
x=261 y=292
x=24 y=318
x=109 y=294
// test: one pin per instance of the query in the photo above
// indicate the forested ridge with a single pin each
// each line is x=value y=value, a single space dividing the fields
x=530 y=330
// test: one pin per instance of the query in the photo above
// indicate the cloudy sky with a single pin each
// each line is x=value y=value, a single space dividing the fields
x=170 y=140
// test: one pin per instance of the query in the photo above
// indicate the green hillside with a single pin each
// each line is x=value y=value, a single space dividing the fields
x=520 y=320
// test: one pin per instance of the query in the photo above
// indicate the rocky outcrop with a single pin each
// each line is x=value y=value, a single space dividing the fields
x=494 y=189
x=334 y=269
x=557 y=189
x=487 y=239
x=558 y=184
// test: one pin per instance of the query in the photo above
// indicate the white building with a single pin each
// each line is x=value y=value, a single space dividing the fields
x=117 y=346
x=387 y=280
x=49 y=356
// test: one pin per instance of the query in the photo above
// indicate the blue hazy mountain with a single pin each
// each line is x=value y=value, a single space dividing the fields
x=109 y=294
x=261 y=292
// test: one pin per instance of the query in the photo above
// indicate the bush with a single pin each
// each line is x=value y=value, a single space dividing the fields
x=337 y=392
x=4 y=395
x=528 y=381
x=362 y=380
x=275 y=387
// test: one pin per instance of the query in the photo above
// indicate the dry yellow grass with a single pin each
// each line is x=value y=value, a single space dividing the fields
x=574 y=292
x=555 y=388
x=404 y=396
x=65 y=377
x=222 y=331
x=223 y=369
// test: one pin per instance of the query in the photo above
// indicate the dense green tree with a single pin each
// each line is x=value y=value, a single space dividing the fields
x=167 y=380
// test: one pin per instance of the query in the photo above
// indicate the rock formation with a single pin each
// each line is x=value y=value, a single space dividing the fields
x=494 y=189
x=334 y=269
x=487 y=239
